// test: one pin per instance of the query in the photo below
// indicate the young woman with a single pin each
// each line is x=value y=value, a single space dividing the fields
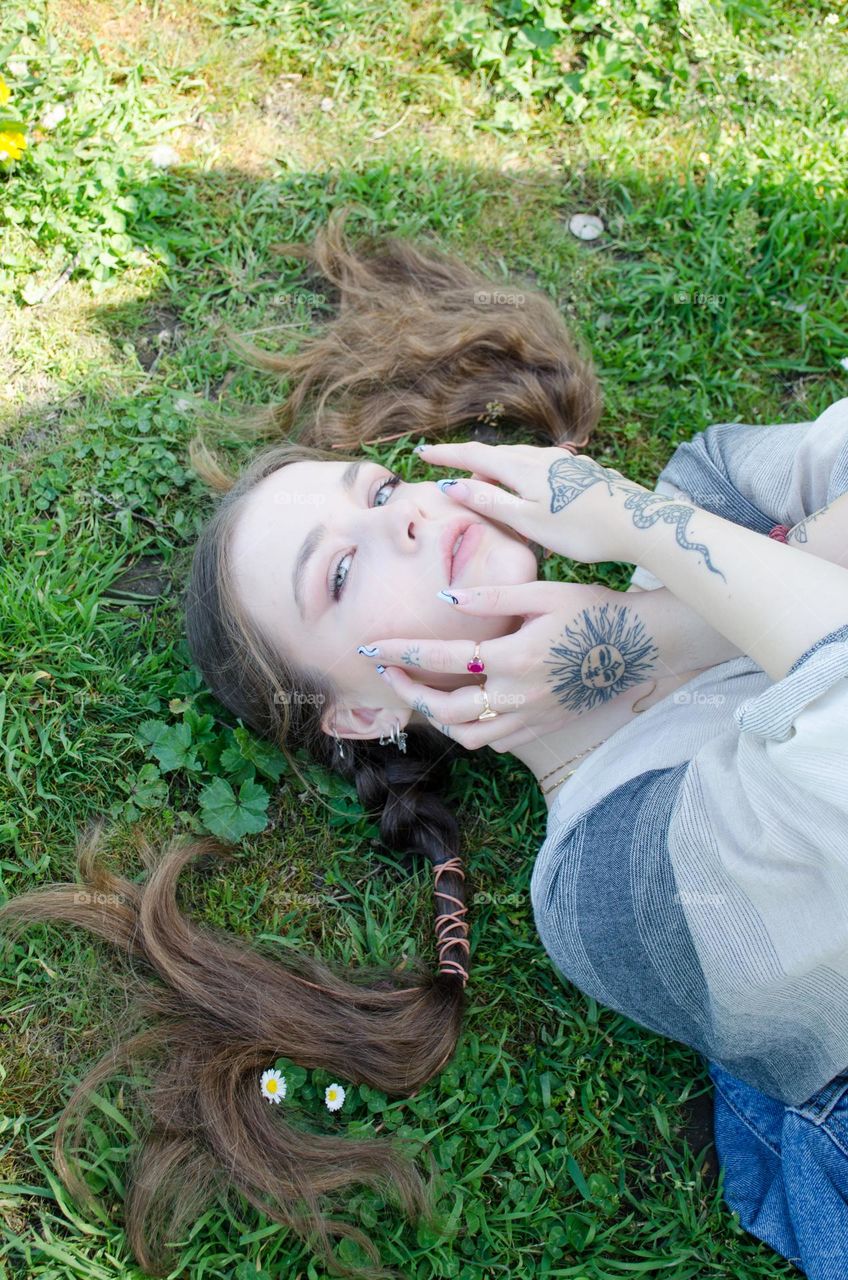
x=687 y=740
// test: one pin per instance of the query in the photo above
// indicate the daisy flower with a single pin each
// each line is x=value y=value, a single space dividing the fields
x=273 y=1085
x=334 y=1096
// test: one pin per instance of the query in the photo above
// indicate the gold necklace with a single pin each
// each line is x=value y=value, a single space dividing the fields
x=545 y=790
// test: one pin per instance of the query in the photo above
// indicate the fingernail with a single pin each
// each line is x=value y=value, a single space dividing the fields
x=456 y=488
x=368 y=650
x=419 y=447
x=449 y=597
x=380 y=669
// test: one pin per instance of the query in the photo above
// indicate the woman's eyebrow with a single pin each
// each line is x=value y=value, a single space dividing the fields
x=313 y=539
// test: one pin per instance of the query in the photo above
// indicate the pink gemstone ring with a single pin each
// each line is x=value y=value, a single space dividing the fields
x=476 y=664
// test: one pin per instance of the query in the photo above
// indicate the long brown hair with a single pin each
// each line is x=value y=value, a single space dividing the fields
x=420 y=343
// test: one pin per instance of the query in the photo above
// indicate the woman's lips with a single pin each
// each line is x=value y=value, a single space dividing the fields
x=467 y=547
x=448 y=538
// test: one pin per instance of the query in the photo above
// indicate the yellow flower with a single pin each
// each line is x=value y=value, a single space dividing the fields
x=5 y=92
x=12 y=145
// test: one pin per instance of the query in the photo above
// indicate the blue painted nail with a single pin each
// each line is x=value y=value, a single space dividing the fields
x=368 y=650
x=381 y=669
x=419 y=447
x=447 y=596
x=445 y=484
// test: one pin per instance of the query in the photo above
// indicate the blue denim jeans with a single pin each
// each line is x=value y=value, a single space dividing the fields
x=786 y=1170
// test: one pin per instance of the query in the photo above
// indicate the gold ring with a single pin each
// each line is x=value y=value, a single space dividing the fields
x=488 y=713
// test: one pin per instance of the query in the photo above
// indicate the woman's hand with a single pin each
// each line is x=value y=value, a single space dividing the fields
x=566 y=502
x=579 y=646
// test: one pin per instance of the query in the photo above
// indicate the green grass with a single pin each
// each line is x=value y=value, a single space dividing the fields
x=717 y=293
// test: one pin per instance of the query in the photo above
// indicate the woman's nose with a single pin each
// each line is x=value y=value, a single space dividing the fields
x=408 y=520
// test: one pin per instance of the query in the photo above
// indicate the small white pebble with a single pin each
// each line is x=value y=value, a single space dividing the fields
x=164 y=156
x=585 y=226
x=53 y=115
x=326 y=104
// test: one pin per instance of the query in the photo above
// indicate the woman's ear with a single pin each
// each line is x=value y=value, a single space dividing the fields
x=364 y=722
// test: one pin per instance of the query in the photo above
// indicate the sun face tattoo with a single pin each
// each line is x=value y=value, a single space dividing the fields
x=604 y=656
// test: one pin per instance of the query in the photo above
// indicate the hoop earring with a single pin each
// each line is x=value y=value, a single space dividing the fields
x=397 y=736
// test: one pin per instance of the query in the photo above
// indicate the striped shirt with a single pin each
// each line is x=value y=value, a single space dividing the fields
x=694 y=875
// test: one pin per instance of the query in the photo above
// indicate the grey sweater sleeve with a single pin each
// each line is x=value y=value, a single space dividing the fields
x=760 y=476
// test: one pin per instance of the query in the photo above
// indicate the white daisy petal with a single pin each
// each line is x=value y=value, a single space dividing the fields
x=273 y=1085
x=334 y=1096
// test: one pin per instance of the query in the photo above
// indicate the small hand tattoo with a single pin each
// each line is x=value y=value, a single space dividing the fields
x=798 y=533
x=410 y=657
x=420 y=705
x=605 y=656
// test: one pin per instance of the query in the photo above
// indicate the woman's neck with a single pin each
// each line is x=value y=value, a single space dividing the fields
x=549 y=754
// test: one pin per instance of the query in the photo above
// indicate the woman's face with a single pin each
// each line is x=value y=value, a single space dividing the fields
x=314 y=528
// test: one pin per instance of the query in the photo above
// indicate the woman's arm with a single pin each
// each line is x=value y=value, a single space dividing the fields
x=823 y=534
x=689 y=642
x=768 y=598
x=760 y=476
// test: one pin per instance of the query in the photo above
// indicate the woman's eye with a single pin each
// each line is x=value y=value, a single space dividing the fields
x=340 y=579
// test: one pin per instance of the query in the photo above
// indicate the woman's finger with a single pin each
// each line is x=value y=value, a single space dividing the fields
x=449 y=706
x=518 y=599
x=460 y=708
x=491 y=502
x=498 y=461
